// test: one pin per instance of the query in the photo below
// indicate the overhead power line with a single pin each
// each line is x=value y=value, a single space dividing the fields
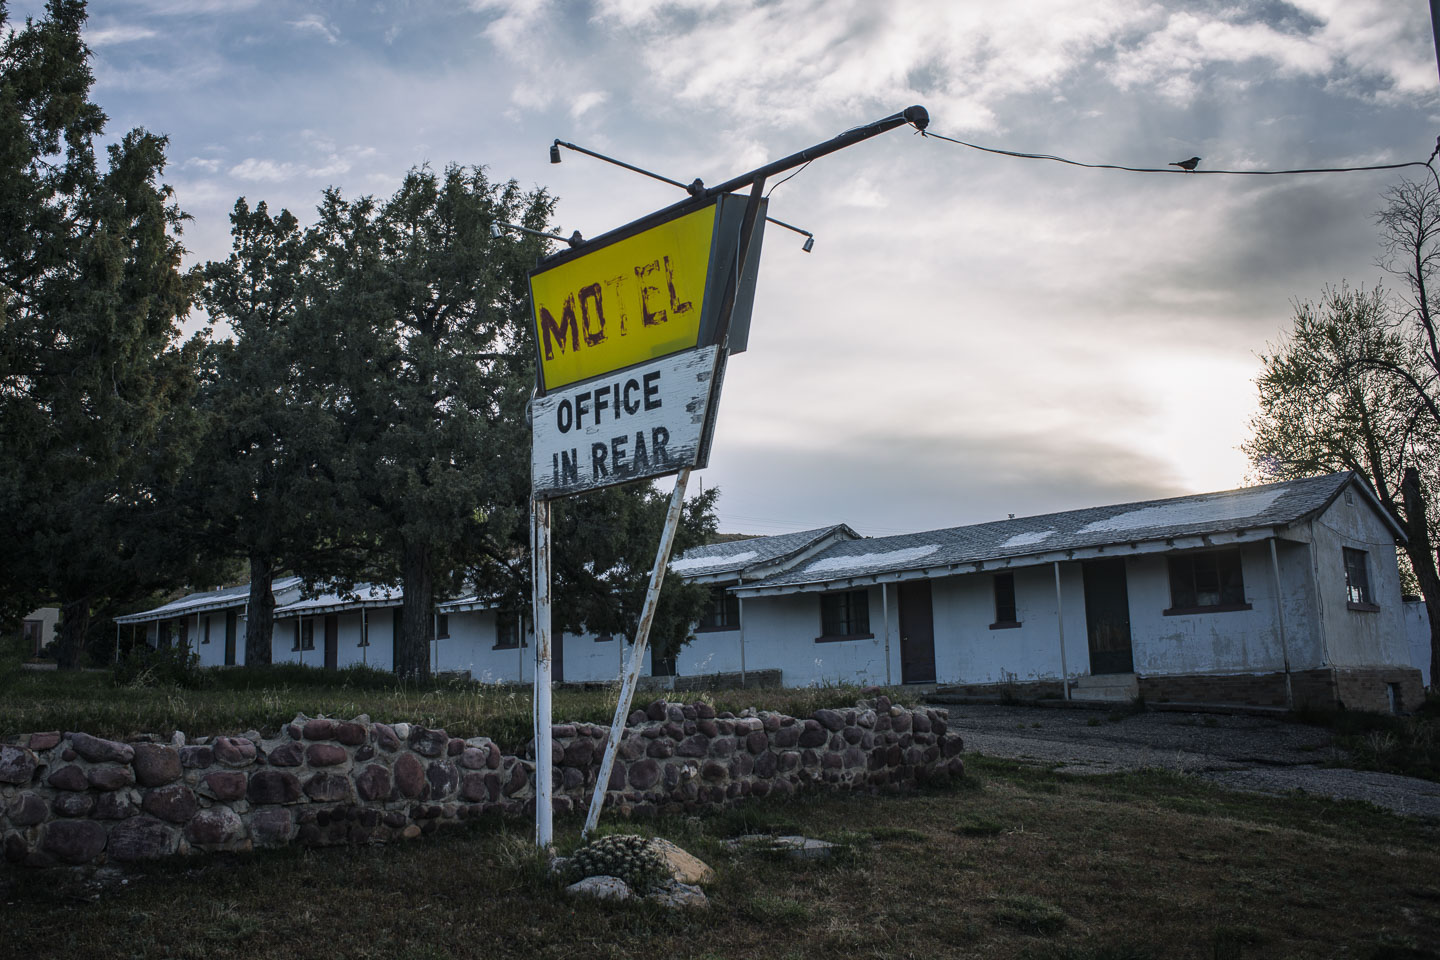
x=1186 y=173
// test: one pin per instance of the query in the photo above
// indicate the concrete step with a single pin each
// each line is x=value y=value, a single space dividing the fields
x=1121 y=687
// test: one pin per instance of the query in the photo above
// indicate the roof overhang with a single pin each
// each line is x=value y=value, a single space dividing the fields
x=1127 y=549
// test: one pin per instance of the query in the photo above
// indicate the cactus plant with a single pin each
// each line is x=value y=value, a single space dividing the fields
x=627 y=856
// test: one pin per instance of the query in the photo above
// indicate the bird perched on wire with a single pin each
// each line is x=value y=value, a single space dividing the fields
x=1187 y=165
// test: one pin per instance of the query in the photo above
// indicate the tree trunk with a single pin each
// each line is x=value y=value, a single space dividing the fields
x=1422 y=558
x=417 y=623
x=74 y=624
x=260 y=613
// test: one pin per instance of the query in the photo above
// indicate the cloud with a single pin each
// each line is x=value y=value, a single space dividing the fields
x=316 y=24
x=586 y=102
x=208 y=164
x=263 y=171
x=97 y=37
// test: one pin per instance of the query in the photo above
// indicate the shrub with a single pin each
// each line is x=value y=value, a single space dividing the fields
x=176 y=666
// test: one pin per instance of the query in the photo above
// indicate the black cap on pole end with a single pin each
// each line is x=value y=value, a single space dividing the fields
x=917 y=115
x=555 y=152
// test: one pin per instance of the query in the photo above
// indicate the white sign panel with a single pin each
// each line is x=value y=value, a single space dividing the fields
x=645 y=421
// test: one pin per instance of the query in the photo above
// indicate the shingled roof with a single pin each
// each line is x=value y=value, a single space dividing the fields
x=209 y=600
x=1052 y=536
x=726 y=561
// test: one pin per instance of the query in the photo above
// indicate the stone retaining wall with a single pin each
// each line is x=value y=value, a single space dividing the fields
x=77 y=799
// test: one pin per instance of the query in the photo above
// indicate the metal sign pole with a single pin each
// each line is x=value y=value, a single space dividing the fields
x=637 y=651
x=544 y=777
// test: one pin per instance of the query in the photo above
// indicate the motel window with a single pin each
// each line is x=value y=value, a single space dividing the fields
x=364 y=630
x=442 y=626
x=604 y=637
x=1206 y=582
x=844 y=616
x=205 y=633
x=722 y=612
x=304 y=634
x=1357 y=580
x=1004 y=602
x=509 y=632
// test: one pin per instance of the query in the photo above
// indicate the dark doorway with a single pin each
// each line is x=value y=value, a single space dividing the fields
x=661 y=665
x=394 y=637
x=232 y=620
x=1107 y=616
x=917 y=632
x=332 y=641
x=557 y=657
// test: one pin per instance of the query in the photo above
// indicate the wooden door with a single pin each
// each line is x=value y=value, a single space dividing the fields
x=1107 y=616
x=232 y=622
x=332 y=641
x=917 y=632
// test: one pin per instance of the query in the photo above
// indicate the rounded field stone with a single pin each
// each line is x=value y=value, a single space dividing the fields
x=786 y=737
x=290 y=754
x=73 y=804
x=115 y=805
x=644 y=774
x=68 y=778
x=73 y=841
x=272 y=825
x=443 y=778
x=704 y=711
x=832 y=761
x=328 y=787
x=722 y=747
x=473 y=758
x=765 y=765
x=101 y=751
x=660 y=749
x=44 y=741
x=830 y=719
x=318 y=730
x=657 y=710
x=373 y=783
x=17 y=765
x=196 y=757
x=110 y=776
x=900 y=722
x=813 y=734
x=27 y=809
x=218 y=825
x=273 y=786
x=696 y=746
x=224 y=784
x=235 y=751
x=580 y=753
x=708 y=727
x=632 y=748
x=351 y=734
x=852 y=735
x=519 y=779
x=571 y=779
x=636 y=718
x=741 y=765
x=386 y=737
x=920 y=723
x=142 y=838
x=474 y=789
x=325 y=754
x=409 y=775
x=175 y=803
x=156 y=765
x=951 y=744
x=714 y=770
x=429 y=743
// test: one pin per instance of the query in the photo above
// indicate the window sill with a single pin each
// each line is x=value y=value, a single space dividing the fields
x=506 y=646
x=1362 y=607
x=717 y=629
x=848 y=636
x=1004 y=624
x=1216 y=608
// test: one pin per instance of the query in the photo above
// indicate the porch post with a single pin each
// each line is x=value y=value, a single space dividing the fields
x=740 y=613
x=1060 y=624
x=885 y=615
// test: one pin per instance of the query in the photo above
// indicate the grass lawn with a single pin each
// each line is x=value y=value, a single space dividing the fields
x=1016 y=862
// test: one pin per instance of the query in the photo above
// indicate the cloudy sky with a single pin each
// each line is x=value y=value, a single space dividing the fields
x=973 y=335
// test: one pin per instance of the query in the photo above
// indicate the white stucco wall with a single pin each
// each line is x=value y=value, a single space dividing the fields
x=780 y=635
x=1358 y=638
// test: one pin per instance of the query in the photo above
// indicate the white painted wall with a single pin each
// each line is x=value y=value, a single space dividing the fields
x=1355 y=638
x=1417 y=636
x=780 y=634
x=968 y=651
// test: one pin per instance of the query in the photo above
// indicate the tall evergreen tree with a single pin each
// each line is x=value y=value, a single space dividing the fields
x=94 y=384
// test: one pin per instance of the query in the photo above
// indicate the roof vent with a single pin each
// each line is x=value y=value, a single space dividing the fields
x=1350 y=496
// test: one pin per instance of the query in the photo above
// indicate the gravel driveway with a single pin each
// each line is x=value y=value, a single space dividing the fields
x=1260 y=754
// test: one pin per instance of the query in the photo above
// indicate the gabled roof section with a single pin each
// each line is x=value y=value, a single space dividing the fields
x=732 y=559
x=194 y=603
x=1057 y=535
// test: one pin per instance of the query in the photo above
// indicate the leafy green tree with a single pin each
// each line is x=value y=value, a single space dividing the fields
x=1331 y=399
x=432 y=380
x=95 y=386
x=263 y=484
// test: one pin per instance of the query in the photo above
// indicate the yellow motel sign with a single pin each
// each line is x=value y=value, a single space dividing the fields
x=639 y=297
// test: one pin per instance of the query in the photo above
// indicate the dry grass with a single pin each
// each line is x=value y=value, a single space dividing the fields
x=1145 y=865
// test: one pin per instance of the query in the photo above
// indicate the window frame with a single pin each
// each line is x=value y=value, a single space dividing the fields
x=1222 y=604
x=1001 y=622
x=1366 y=596
x=307 y=636
x=506 y=622
x=849 y=617
x=205 y=632
x=442 y=626
x=723 y=602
